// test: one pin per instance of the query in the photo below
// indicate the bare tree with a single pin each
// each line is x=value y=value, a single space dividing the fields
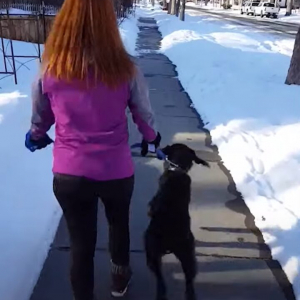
x=293 y=76
x=173 y=6
x=177 y=7
x=289 y=7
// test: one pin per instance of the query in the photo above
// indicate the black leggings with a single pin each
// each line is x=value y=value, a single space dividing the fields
x=78 y=198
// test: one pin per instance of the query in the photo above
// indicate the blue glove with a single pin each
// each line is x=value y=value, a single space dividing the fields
x=33 y=145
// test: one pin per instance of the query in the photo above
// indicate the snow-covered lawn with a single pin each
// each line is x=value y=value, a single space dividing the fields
x=235 y=78
x=294 y=18
x=215 y=8
x=29 y=213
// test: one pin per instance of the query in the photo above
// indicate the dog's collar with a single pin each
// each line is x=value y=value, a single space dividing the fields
x=172 y=166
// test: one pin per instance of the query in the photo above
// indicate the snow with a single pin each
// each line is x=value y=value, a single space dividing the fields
x=15 y=11
x=29 y=213
x=235 y=78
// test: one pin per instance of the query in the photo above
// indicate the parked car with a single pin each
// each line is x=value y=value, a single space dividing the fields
x=249 y=7
x=266 y=9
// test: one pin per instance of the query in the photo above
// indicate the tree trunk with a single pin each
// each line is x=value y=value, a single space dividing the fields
x=289 y=7
x=169 y=7
x=293 y=76
x=182 y=12
x=177 y=7
x=165 y=5
x=173 y=6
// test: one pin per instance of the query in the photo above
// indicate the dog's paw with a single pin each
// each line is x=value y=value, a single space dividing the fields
x=161 y=298
x=161 y=295
x=190 y=294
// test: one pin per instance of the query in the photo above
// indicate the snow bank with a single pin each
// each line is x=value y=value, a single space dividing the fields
x=235 y=78
x=129 y=32
x=29 y=213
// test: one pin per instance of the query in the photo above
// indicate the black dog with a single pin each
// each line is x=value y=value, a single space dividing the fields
x=169 y=229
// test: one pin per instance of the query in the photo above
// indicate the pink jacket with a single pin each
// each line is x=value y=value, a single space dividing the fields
x=91 y=125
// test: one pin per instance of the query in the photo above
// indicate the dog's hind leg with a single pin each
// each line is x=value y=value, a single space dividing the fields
x=154 y=262
x=187 y=258
x=155 y=265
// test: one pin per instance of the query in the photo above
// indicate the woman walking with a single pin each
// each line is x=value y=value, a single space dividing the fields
x=87 y=81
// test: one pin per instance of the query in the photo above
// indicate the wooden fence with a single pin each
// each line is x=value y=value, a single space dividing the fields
x=30 y=28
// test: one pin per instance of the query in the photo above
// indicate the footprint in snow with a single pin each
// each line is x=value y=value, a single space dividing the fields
x=258 y=165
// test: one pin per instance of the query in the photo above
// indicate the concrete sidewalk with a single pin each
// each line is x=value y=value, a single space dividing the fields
x=234 y=263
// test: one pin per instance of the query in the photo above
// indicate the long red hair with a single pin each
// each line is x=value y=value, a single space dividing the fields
x=85 y=40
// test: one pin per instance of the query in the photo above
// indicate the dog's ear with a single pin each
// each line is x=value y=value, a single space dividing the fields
x=199 y=161
x=166 y=150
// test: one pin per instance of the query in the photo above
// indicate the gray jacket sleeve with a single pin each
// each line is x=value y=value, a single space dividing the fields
x=140 y=107
x=42 y=116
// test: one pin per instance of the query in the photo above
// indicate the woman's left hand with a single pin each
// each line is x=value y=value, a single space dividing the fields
x=38 y=144
x=146 y=146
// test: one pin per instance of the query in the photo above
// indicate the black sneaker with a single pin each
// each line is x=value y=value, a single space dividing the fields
x=121 y=277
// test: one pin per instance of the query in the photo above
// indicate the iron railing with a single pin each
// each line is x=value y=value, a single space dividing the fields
x=122 y=7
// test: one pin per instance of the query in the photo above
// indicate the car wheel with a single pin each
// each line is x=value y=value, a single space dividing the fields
x=275 y=16
x=242 y=12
